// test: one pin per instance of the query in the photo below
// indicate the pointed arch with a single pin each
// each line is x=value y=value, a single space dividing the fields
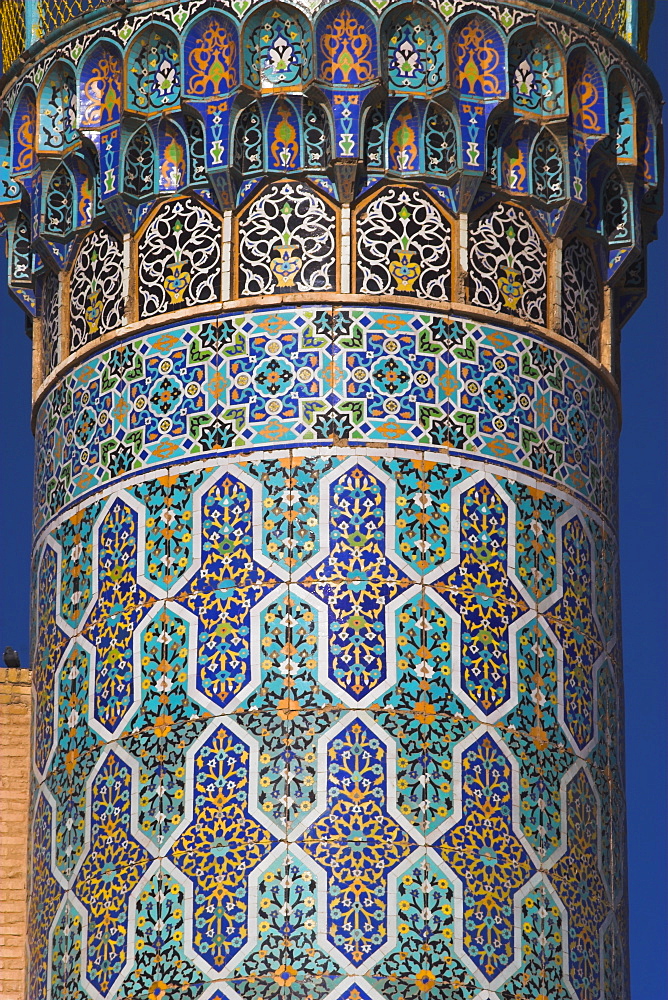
x=283 y=136
x=139 y=164
x=101 y=86
x=196 y=154
x=317 y=137
x=403 y=138
x=20 y=264
x=374 y=137
x=286 y=240
x=179 y=253
x=581 y=297
x=536 y=68
x=508 y=263
x=441 y=142
x=616 y=211
x=621 y=119
x=10 y=191
x=646 y=144
x=85 y=189
x=515 y=156
x=59 y=203
x=153 y=71
x=598 y=168
x=96 y=299
x=347 y=46
x=249 y=141
x=172 y=156
x=24 y=126
x=277 y=47
x=478 y=58
x=414 y=50
x=587 y=93
x=211 y=56
x=498 y=123
x=57 y=103
x=547 y=174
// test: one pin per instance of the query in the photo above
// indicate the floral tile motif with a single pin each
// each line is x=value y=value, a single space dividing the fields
x=296 y=377
x=257 y=821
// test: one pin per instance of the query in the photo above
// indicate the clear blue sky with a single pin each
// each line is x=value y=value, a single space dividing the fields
x=644 y=551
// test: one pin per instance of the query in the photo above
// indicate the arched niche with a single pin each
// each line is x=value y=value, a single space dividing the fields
x=179 y=257
x=57 y=103
x=96 y=301
x=536 y=69
x=211 y=57
x=547 y=175
x=59 y=203
x=317 y=136
x=20 y=252
x=581 y=296
x=101 y=87
x=10 y=191
x=284 y=136
x=616 y=211
x=86 y=183
x=277 y=48
x=24 y=125
x=508 y=263
x=621 y=120
x=478 y=59
x=196 y=151
x=414 y=50
x=248 y=144
x=153 y=72
x=587 y=94
x=515 y=157
x=403 y=138
x=172 y=156
x=402 y=244
x=373 y=137
x=441 y=142
x=49 y=309
x=346 y=46
x=139 y=165
x=286 y=241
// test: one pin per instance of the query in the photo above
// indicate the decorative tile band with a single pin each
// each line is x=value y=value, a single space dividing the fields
x=327 y=723
x=297 y=377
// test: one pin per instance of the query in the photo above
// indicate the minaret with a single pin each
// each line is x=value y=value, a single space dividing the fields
x=325 y=301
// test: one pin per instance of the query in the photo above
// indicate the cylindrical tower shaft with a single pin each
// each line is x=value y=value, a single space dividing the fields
x=326 y=302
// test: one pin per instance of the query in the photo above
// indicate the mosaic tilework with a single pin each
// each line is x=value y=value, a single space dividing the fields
x=292 y=377
x=326 y=629
x=323 y=720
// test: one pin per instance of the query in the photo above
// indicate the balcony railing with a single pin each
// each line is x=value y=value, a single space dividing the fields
x=23 y=22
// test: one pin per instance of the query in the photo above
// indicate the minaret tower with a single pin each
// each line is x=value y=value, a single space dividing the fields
x=325 y=302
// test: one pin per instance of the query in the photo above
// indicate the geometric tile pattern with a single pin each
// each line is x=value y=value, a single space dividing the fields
x=326 y=631
x=358 y=765
x=454 y=384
